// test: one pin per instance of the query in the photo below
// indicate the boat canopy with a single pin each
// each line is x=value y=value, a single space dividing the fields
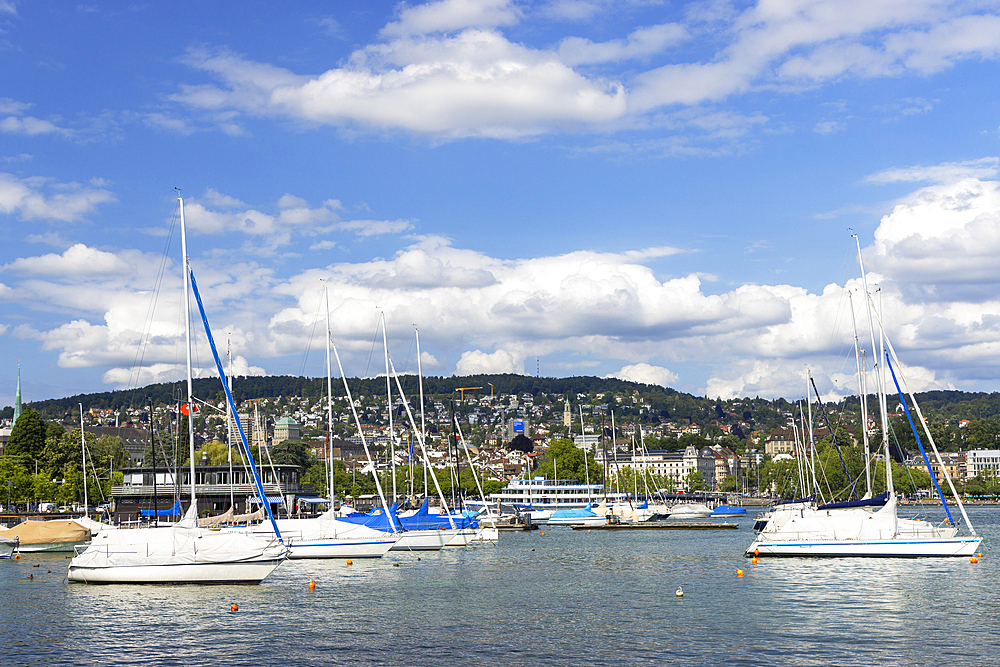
x=48 y=532
x=876 y=501
x=170 y=511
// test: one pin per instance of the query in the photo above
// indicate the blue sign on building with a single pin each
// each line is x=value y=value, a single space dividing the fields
x=518 y=427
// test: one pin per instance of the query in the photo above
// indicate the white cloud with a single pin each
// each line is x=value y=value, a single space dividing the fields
x=932 y=258
x=79 y=260
x=452 y=15
x=640 y=43
x=801 y=44
x=948 y=172
x=646 y=374
x=475 y=83
x=474 y=362
x=45 y=199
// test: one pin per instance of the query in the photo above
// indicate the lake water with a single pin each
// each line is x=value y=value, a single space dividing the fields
x=562 y=598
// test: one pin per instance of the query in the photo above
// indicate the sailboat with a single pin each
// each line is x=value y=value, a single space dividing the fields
x=184 y=552
x=869 y=526
x=330 y=536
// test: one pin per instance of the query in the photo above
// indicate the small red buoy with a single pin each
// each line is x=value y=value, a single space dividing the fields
x=350 y=562
x=234 y=607
x=312 y=585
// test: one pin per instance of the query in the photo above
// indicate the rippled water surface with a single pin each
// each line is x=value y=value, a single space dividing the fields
x=562 y=598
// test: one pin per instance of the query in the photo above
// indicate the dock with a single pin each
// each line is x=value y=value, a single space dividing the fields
x=663 y=525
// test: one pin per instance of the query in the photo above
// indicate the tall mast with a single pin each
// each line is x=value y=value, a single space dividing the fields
x=186 y=268
x=83 y=447
x=862 y=394
x=229 y=423
x=586 y=465
x=879 y=367
x=388 y=392
x=423 y=425
x=329 y=395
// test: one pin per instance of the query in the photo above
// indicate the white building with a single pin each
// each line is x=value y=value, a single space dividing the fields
x=982 y=461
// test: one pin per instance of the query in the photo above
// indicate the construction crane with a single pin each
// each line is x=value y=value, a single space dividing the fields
x=491 y=389
x=465 y=389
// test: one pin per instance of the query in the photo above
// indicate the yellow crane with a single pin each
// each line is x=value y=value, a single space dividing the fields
x=465 y=389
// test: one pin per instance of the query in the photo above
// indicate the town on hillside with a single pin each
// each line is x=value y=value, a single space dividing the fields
x=481 y=432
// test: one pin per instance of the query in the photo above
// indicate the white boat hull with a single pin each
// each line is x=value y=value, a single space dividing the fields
x=424 y=540
x=7 y=547
x=464 y=537
x=896 y=548
x=241 y=572
x=334 y=548
x=52 y=547
x=578 y=521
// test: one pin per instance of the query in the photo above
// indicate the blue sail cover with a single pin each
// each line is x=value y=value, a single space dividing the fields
x=577 y=513
x=877 y=501
x=424 y=520
x=376 y=519
x=172 y=511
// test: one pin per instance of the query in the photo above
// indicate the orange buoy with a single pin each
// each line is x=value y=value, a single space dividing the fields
x=973 y=560
x=312 y=585
x=17 y=556
x=754 y=561
x=980 y=554
x=350 y=562
x=756 y=552
x=234 y=607
x=739 y=572
x=543 y=534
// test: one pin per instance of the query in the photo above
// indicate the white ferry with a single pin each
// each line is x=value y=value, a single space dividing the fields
x=539 y=497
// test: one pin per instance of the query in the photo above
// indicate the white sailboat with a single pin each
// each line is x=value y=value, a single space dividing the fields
x=326 y=536
x=869 y=526
x=183 y=552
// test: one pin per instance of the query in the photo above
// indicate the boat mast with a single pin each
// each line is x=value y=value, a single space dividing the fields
x=586 y=465
x=329 y=397
x=187 y=337
x=83 y=449
x=229 y=423
x=388 y=391
x=862 y=394
x=423 y=424
x=879 y=374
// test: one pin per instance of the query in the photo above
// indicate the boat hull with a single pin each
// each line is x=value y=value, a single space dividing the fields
x=898 y=548
x=578 y=521
x=424 y=540
x=7 y=546
x=240 y=572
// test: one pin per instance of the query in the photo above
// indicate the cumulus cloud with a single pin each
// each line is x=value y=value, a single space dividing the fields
x=808 y=43
x=451 y=15
x=39 y=198
x=931 y=258
x=475 y=362
x=638 y=44
x=474 y=83
x=646 y=374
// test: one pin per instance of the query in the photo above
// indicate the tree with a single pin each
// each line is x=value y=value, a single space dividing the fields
x=27 y=438
x=293 y=452
x=695 y=481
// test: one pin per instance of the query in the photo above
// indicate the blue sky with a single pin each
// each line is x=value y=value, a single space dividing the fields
x=658 y=191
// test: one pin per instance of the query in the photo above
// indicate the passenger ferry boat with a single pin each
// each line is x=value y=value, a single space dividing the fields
x=539 y=497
